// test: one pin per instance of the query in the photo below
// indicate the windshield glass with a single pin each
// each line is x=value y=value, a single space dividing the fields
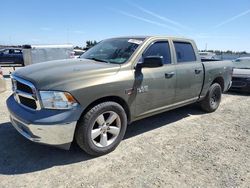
x=115 y=51
x=242 y=63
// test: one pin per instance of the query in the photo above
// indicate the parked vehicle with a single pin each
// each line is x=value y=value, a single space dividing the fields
x=116 y=82
x=2 y=82
x=77 y=53
x=207 y=55
x=241 y=74
x=242 y=62
x=33 y=54
x=10 y=56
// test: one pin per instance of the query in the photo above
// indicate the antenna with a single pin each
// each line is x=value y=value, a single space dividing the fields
x=67 y=35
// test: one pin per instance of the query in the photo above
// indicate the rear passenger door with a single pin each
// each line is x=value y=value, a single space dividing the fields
x=158 y=83
x=189 y=72
x=17 y=56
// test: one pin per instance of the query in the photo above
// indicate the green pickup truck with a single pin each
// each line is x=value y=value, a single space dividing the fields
x=120 y=80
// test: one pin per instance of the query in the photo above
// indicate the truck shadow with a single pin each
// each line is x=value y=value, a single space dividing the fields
x=163 y=119
x=20 y=156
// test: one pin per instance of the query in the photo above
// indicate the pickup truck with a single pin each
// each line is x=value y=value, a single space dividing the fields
x=92 y=99
x=11 y=57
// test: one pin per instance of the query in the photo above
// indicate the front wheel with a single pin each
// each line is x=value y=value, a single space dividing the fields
x=101 y=129
x=213 y=98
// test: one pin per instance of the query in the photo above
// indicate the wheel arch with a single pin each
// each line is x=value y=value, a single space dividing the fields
x=116 y=99
x=219 y=80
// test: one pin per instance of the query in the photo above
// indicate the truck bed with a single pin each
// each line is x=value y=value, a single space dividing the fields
x=220 y=69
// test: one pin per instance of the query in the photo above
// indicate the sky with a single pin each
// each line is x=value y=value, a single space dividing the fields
x=213 y=24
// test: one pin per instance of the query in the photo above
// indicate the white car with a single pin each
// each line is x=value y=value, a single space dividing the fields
x=241 y=74
x=207 y=55
x=242 y=61
x=77 y=53
x=2 y=82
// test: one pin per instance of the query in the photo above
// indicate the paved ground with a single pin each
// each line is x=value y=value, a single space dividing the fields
x=180 y=148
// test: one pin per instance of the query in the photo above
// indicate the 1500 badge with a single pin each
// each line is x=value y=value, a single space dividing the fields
x=142 y=89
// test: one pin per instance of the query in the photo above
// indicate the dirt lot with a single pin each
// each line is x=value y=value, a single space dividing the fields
x=180 y=148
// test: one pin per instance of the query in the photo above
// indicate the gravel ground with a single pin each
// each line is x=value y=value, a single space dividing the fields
x=180 y=148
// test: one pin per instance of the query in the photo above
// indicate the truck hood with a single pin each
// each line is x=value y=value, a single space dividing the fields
x=48 y=75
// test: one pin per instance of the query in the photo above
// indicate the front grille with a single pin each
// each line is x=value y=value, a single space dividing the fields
x=239 y=82
x=25 y=93
x=31 y=103
x=238 y=79
x=22 y=87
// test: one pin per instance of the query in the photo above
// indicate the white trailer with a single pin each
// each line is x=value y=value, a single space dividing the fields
x=40 y=53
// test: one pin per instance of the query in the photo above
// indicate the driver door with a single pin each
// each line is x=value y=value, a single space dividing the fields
x=156 y=86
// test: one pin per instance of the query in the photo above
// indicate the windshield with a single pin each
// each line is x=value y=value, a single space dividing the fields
x=115 y=51
x=242 y=63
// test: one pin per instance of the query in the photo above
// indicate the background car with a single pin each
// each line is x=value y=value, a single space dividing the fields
x=207 y=55
x=11 y=56
x=77 y=53
x=241 y=74
x=2 y=82
x=242 y=62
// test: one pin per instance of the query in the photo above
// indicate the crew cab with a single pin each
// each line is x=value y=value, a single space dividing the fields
x=118 y=81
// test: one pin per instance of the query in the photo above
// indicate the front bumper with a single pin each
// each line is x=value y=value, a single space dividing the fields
x=240 y=84
x=60 y=135
x=50 y=127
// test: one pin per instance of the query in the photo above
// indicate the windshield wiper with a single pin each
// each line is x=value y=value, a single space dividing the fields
x=100 y=60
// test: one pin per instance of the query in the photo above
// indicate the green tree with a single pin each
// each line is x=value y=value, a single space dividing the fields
x=90 y=43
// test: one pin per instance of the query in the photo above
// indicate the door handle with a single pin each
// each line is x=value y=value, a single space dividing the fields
x=169 y=75
x=198 y=71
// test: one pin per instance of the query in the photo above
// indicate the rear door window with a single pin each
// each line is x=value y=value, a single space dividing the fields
x=17 y=51
x=160 y=48
x=184 y=52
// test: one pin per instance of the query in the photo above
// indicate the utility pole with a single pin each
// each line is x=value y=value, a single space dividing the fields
x=67 y=35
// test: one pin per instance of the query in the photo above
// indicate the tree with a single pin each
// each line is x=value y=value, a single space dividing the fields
x=229 y=52
x=90 y=43
x=77 y=47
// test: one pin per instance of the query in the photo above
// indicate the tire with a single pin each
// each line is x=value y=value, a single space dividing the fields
x=213 y=98
x=98 y=132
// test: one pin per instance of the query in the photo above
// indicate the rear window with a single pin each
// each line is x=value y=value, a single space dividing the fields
x=184 y=52
x=17 y=51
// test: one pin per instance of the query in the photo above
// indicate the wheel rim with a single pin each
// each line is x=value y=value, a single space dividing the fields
x=106 y=129
x=215 y=98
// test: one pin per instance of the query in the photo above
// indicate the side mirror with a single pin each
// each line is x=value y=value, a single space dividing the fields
x=152 y=62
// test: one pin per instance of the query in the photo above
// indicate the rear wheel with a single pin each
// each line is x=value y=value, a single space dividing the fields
x=102 y=128
x=213 y=98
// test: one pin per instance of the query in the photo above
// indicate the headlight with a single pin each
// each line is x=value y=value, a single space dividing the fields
x=57 y=100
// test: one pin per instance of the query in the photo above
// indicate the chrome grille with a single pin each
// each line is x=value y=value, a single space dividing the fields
x=239 y=82
x=25 y=93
